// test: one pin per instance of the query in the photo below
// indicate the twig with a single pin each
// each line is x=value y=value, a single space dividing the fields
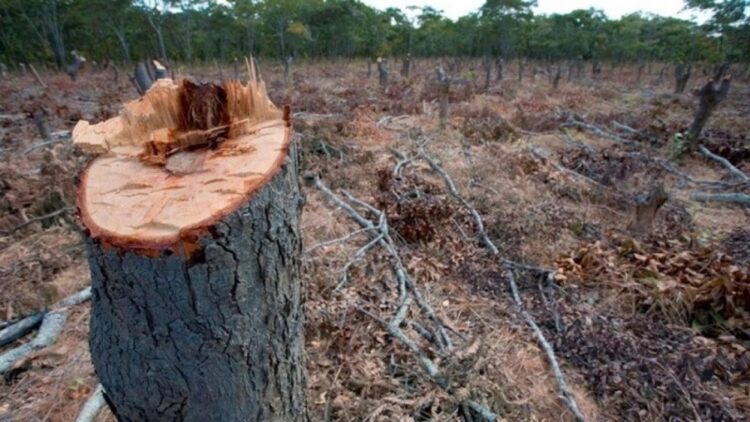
x=35 y=220
x=543 y=343
x=578 y=144
x=539 y=155
x=335 y=241
x=440 y=338
x=739 y=198
x=36 y=75
x=562 y=386
x=597 y=131
x=93 y=406
x=356 y=258
x=724 y=162
x=57 y=137
x=454 y=192
x=313 y=116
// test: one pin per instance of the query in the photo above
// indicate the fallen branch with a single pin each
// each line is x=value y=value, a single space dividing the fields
x=381 y=236
x=316 y=116
x=36 y=219
x=724 y=162
x=56 y=138
x=49 y=331
x=536 y=152
x=597 y=131
x=93 y=406
x=562 y=386
x=20 y=328
x=543 y=343
x=403 y=161
x=335 y=241
x=739 y=198
x=669 y=167
x=36 y=76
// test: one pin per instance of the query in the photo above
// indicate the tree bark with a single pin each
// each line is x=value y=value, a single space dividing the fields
x=216 y=337
x=681 y=75
x=197 y=310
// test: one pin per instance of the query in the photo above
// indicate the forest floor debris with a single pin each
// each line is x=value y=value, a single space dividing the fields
x=648 y=328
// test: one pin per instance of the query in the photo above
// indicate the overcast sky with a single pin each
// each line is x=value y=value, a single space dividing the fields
x=613 y=8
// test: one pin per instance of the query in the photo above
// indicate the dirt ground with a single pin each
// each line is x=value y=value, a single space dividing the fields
x=647 y=326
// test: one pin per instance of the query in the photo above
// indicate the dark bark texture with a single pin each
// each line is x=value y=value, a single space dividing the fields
x=218 y=337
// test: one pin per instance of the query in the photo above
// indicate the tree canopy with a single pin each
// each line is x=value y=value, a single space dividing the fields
x=207 y=30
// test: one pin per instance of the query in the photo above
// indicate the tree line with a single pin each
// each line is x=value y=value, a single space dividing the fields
x=206 y=30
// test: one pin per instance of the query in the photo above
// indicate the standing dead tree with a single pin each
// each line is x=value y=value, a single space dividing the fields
x=192 y=232
x=444 y=89
x=3 y=70
x=710 y=95
x=681 y=75
x=499 y=67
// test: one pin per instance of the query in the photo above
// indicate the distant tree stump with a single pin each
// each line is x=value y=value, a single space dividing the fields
x=197 y=302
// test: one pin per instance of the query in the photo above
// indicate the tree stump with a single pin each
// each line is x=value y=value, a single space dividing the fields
x=191 y=222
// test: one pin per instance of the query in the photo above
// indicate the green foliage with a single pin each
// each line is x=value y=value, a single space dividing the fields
x=205 y=30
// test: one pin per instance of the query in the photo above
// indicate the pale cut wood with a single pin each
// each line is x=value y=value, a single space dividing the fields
x=130 y=198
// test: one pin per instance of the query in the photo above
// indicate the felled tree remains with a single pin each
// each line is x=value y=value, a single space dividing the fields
x=191 y=215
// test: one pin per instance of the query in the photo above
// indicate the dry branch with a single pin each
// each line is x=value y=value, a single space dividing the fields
x=724 y=162
x=543 y=343
x=93 y=406
x=36 y=76
x=571 y=122
x=36 y=220
x=541 y=155
x=439 y=336
x=51 y=328
x=20 y=328
x=739 y=198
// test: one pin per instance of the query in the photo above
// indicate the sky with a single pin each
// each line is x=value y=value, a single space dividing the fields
x=613 y=8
